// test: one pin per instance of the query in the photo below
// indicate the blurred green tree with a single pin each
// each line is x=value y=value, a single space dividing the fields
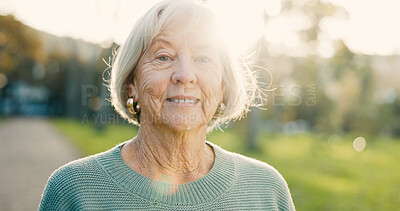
x=19 y=46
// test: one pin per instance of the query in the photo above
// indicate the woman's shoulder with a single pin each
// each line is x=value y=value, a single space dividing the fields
x=256 y=170
x=83 y=176
x=252 y=167
x=71 y=168
x=248 y=164
x=80 y=169
x=252 y=174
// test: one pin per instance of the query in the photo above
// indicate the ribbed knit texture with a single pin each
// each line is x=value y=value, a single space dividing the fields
x=104 y=182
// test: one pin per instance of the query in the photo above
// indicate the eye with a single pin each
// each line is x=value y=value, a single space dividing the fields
x=164 y=58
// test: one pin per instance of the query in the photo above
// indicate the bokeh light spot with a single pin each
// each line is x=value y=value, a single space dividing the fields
x=3 y=80
x=95 y=103
x=359 y=144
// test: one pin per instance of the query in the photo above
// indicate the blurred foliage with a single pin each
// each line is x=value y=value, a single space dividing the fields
x=342 y=93
x=314 y=12
x=323 y=172
x=18 y=47
x=55 y=68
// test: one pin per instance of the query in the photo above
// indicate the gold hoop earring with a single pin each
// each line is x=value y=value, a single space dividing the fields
x=130 y=106
x=133 y=107
x=220 y=110
x=137 y=106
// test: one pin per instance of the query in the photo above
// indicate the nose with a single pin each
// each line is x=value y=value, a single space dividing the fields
x=184 y=73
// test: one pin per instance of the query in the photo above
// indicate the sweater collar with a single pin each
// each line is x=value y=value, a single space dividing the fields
x=221 y=176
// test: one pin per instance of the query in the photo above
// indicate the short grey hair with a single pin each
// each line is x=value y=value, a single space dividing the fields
x=239 y=81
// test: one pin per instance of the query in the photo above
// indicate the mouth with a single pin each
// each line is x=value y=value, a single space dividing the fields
x=183 y=100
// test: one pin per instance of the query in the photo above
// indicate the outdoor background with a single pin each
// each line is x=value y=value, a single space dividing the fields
x=330 y=69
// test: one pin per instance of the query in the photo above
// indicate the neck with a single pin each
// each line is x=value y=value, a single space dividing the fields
x=162 y=154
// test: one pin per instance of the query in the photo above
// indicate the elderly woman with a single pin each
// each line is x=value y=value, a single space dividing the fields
x=175 y=79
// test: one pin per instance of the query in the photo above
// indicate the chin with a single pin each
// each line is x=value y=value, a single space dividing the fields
x=182 y=123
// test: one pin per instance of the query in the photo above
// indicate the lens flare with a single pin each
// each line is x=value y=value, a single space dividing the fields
x=165 y=185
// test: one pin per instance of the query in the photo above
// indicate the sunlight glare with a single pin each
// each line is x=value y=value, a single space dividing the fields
x=273 y=7
x=241 y=22
x=370 y=29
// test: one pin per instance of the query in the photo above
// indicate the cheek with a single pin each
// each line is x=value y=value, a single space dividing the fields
x=211 y=94
x=212 y=87
x=153 y=83
x=154 y=86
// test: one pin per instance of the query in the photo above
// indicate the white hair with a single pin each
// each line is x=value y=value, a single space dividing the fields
x=239 y=81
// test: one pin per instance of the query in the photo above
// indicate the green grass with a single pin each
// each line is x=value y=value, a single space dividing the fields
x=322 y=174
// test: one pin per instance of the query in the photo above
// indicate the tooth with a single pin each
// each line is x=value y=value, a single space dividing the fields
x=181 y=101
x=187 y=101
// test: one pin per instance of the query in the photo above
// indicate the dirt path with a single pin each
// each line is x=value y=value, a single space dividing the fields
x=30 y=150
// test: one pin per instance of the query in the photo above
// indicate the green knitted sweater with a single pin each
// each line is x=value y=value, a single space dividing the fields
x=104 y=182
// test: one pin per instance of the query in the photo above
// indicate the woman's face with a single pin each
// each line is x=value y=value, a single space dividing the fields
x=178 y=80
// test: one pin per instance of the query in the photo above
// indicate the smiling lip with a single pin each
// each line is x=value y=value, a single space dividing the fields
x=181 y=99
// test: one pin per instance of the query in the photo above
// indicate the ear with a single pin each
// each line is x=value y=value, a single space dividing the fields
x=132 y=92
